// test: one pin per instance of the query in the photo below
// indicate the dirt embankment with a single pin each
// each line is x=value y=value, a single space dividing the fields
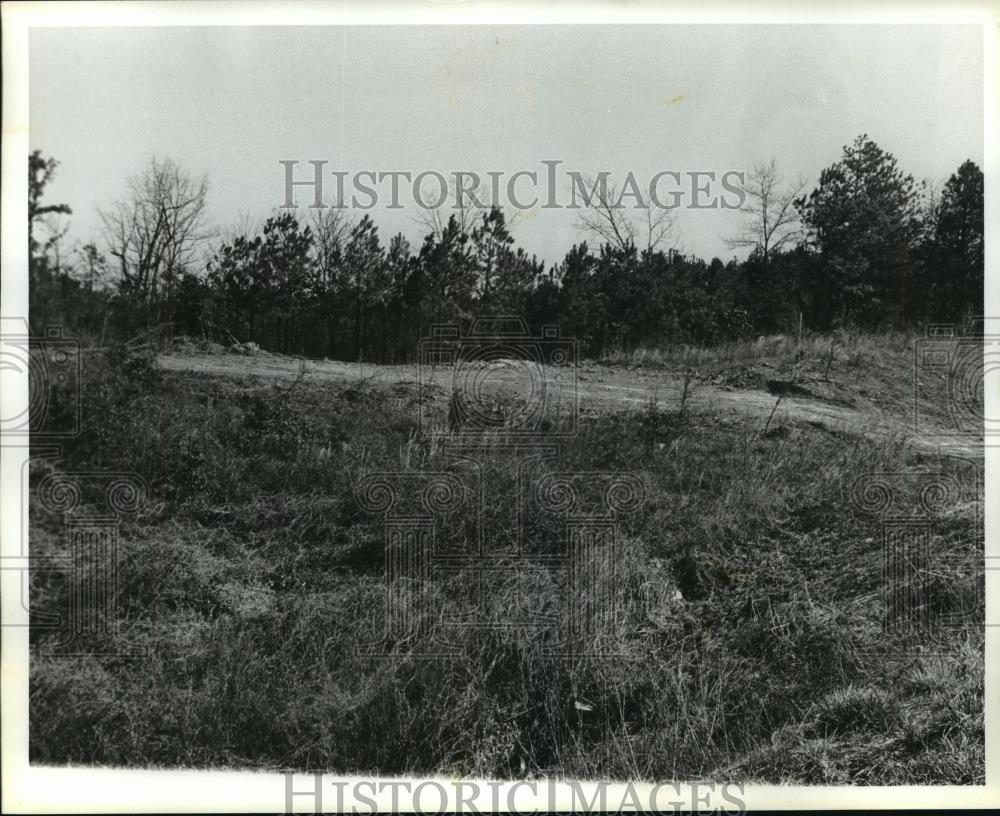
x=592 y=387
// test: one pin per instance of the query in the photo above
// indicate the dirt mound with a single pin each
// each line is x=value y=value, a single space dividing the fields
x=604 y=390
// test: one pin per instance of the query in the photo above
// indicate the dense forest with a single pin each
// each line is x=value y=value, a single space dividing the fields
x=868 y=248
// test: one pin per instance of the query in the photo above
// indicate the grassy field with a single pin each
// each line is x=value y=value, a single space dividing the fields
x=748 y=643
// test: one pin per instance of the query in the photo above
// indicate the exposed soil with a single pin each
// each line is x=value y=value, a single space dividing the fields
x=597 y=387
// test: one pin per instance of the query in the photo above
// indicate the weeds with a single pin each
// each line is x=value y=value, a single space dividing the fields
x=743 y=639
x=771 y=415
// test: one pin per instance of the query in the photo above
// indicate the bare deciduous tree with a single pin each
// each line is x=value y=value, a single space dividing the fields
x=467 y=205
x=156 y=231
x=244 y=226
x=773 y=221
x=643 y=226
x=330 y=228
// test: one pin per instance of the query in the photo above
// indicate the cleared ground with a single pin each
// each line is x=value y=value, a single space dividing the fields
x=590 y=388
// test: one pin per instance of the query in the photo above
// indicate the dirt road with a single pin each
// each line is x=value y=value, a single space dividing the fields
x=588 y=387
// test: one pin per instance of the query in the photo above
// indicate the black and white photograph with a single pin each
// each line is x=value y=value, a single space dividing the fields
x=411 y=409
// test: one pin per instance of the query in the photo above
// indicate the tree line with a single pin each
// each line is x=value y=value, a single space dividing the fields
x=868 y=247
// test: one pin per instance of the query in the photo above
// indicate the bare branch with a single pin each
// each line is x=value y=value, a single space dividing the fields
x=772 y=221
x=157 y=230
x=466 y=205
x=608 y=220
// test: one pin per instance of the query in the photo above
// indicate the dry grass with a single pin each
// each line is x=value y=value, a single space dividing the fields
x=850 y=347
x=748 y=634
x=878 y=374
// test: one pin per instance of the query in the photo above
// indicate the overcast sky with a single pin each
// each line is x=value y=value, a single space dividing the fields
x=233 y=102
